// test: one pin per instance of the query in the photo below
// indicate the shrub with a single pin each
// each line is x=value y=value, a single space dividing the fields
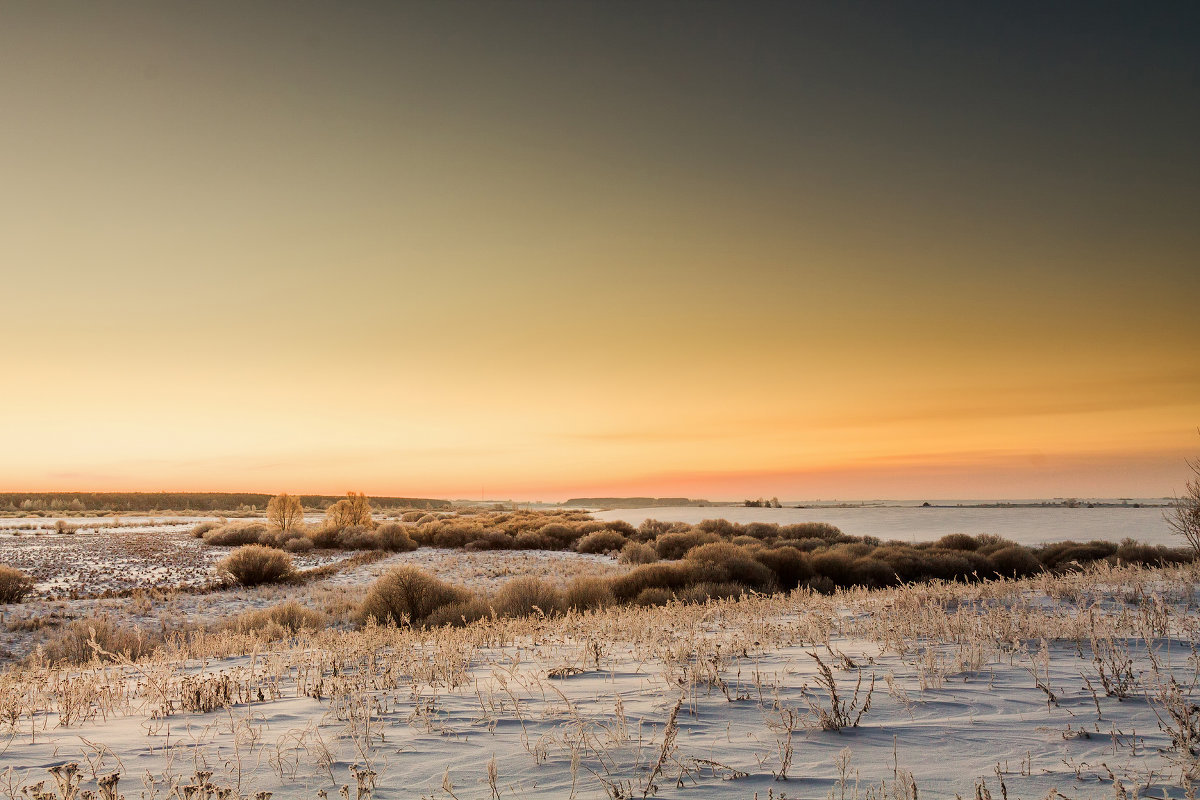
x=622 y=527
x=560 y=535
x=789 y=565
x=407 y=595
x=300 y=544
x=236 y=534
x=762 y=530
x=493 y=540
x=584 y=594
x=14 y=585
x=957 y=541
x=721 y=527
x=394 y=537
x=651 y=529
x=73 y=643
x=730 y=563
x=603 y=541
x=277 y=621
x=954 y=565
x=652 y=576
x=525 y=595
x=703 y=592
x=835 y=564
x=202 y=528
x=653 y=596
x=637 y=553
x=874 y=573
x=326 y=537
x=1061 y=554
x=675 y=545
x=254 y=564
x=359 y=537
x=458 y=614
x=455 y=534
x=1015 y=562
x=531 y=540
x=811 y=530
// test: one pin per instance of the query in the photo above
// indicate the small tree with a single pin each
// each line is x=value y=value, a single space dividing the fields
x=354 y=509
x=1184 y=518
x=285 y=512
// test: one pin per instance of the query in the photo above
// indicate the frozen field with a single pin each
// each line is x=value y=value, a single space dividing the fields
x=1083 y=685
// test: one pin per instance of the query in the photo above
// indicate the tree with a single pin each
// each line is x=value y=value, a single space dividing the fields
x=1184 y=517
x=285 y=512
x=354 y=509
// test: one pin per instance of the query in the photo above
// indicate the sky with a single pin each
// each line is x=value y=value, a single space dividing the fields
x=550 y=250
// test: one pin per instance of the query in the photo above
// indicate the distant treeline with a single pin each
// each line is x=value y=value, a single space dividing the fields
x=634 y=502
x=182 y=501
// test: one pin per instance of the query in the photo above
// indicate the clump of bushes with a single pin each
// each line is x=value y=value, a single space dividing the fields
x=83 y=640
x=408 y=595
x=527 y=595
x=256 y=564
x=15 y=585
x=234 y=534
x=279 y=621
x=602 y=541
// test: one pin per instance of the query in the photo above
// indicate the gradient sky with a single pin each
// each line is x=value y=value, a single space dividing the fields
x=559 y=249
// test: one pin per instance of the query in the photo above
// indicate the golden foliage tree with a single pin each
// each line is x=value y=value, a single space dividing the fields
x=354 y=509
x=285 y=512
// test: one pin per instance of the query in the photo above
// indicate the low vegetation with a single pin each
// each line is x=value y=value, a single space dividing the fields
x=254 y=564
x=15 y=585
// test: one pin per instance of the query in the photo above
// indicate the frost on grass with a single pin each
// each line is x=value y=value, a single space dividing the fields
x=1083 y=684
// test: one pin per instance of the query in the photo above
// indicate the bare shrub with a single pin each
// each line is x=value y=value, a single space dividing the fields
x=637 y=553
x=654 y=596
x=278 y=621
x=408 y=595
x=358 y=537
x=811 y=530
x=530 y=540
x=236 y=534
x=202 y=528
x=458 y=614
x=14 y=585
x=584 y=594
x=652 y=576
x=394 y=537
x=790 y=566
x=527 y=595
x=255 y=564
x=703 y=592
x=603 y=541
x=77 y=642
x=675 y=545
x=957 y=541
x=559 y=534
x=492 y=540
x=727 y=562
x=300 y=544
x=1015 y=562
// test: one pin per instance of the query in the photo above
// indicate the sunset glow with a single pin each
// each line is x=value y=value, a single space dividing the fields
x=548 y=251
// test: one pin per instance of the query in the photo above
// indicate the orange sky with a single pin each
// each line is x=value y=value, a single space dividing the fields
x=543 y=251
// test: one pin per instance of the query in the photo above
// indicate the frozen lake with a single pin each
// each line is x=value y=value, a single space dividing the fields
x=1029 y=526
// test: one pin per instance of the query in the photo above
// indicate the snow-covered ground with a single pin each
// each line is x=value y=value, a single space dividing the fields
x=1009 y=689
